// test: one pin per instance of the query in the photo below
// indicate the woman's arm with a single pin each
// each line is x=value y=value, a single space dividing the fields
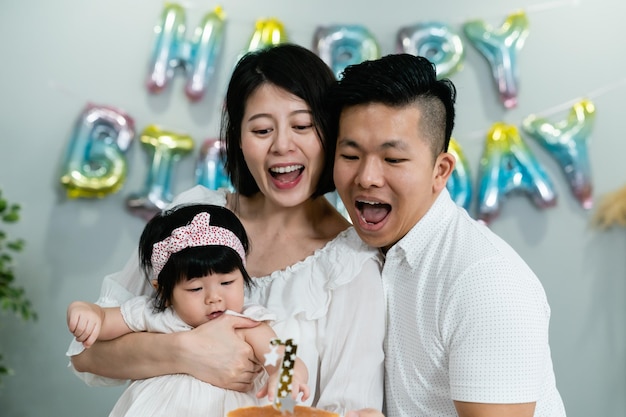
x=212 y=353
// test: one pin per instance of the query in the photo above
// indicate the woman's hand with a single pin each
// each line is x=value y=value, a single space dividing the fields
x=214 y=353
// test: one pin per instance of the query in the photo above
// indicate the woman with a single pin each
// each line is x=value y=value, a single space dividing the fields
x=310 y=267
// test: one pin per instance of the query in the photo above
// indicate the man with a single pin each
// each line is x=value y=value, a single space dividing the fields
x=467 y=318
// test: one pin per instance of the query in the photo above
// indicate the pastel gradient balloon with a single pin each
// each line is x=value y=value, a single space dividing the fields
x=567 y=142
x=460 y=182
x=197 y=56
x=95 y=163
x=165 y=149
x=210 y=166
x=342 y=45
x=169 y=43
x=206 y=47
x=508 y=166
x=267 y=32
x=436 y=41
x=500 y=46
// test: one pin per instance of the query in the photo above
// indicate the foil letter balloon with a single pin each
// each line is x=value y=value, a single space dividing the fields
x=437 y=42
x=339 y=46
x=500 y=47
x=567 y=141
x=165 y=149
x=267 y=32
x=166 y=55
x=95 y=164
x=210 y=166
x=460 y=182
x=206 y=46
x=507 y=166
x=197 y=57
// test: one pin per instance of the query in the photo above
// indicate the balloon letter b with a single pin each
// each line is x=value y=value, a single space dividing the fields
x=508 y=165
x=340 y=46
x=94 y=164
x=500 y=47
x=165 y=149
x=566 y=141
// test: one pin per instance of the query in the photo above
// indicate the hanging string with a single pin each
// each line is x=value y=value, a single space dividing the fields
x=592 y=95
x=601 y=91
x=64 y=90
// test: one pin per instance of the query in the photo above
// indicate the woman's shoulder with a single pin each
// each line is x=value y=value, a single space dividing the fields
x=335 y=263
x=201 y=194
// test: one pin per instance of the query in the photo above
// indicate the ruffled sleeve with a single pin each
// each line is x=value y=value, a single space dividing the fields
x=139 y=315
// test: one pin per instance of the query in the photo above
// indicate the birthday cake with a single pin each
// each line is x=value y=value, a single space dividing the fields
x=270 y=411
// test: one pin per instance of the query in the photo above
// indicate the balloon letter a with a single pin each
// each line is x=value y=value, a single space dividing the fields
x=508 y=165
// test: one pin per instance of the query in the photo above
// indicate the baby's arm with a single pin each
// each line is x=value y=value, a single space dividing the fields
x=259 y=338
x=89 y=322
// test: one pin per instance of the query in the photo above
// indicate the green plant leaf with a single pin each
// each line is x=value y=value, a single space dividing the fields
x=12 y=298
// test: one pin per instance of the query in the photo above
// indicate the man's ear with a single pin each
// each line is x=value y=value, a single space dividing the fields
x=444 y=165
x=155 y=284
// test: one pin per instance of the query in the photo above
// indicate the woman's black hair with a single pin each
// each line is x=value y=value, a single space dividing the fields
x=192 y=262
x=294 y=69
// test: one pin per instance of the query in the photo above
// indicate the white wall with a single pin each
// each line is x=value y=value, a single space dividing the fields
x=59 y=55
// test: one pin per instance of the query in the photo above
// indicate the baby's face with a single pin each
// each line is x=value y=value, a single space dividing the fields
x=199 y=300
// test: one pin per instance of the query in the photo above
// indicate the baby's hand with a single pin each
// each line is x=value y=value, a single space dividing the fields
x=298 y=385
x=84 y=320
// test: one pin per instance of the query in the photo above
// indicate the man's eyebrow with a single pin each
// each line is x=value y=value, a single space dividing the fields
x=394 y=144
x=350 y=143
x=390 y=144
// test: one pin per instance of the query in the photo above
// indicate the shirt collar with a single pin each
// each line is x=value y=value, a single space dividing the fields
x=425 y=230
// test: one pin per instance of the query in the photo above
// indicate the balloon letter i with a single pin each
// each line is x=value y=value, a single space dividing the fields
x=165 y=149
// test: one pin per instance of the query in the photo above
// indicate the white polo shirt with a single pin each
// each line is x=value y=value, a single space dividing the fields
x=467 y=320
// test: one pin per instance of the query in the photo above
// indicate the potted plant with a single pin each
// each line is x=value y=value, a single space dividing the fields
x=12 y=297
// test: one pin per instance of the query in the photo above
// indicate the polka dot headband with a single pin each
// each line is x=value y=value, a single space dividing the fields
x=197 y=233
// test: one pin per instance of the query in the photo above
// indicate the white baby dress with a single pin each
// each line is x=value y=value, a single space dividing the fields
x=179 y=394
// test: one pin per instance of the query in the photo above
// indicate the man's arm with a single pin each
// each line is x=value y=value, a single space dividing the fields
x=212 y=353
x=465 y=409
x=469 y=410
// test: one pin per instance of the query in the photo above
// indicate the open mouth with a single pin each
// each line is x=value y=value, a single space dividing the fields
x=215 y=315
x=286 y=173
x=372 y=212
